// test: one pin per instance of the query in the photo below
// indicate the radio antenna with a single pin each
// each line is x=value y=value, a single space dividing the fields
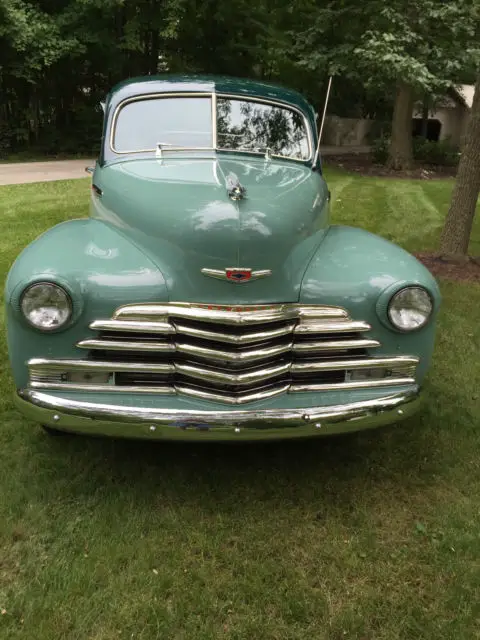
x=317 y=152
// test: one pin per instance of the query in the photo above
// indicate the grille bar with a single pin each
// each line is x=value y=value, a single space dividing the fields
x=37 y=365
x=64 y=386
x=126 y=345
x=239 y=315
x=366 y=363
x=218 y=355
x=238 y=399
x=334 y=345
x=332 y=327
x=134 y=326
x=259 y=375
x=357 y=384
x=232 y=338
x=166 y=347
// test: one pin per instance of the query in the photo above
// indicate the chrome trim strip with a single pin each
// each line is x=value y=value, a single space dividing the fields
x=132 y=325
x=332 y=327
x=395 y=362
x=218 y=397
x=358 y=384
x=232 y=338
x=235 y=314
x=215 y=396
x=41 y=364
x=319 y=311
x=132 y=421
x=367 y=363
x=334 y=345
x=126 y=345
x=240 y=379
x=239 y=399
x=217 y=355
x=222 y=274
x=94 y=388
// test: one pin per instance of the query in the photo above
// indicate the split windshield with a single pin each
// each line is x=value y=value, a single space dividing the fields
x=187 y=123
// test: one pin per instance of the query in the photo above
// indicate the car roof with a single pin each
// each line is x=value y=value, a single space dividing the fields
x=167 y=83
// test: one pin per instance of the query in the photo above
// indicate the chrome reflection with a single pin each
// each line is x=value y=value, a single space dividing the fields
x=287 y=422
x=228 y=354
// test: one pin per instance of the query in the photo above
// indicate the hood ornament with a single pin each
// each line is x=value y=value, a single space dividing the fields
x=235 y=190
x=236 y=274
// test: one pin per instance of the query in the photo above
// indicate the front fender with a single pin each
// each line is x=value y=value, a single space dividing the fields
x=101 y=270
x=356 y=270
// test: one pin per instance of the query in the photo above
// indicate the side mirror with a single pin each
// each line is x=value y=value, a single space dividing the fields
x=90 y=170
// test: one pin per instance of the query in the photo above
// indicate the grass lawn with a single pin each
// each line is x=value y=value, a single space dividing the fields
x=374 y=536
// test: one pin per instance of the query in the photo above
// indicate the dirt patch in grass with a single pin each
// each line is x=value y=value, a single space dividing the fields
x=467 y=270
x=363 y=164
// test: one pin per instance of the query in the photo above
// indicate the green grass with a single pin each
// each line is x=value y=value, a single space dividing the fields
x=374 y=536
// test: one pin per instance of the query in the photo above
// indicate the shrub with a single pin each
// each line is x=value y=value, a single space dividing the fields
x=5 y=140
x=443 y=152
x=380 y=150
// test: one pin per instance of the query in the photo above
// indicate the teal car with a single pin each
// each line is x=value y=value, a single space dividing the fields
x=207 y=296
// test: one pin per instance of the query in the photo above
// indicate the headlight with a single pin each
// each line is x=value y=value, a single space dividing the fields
x=410 y=308
x=46 y=306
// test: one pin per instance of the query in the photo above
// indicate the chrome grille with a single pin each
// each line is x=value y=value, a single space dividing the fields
x=232 y=354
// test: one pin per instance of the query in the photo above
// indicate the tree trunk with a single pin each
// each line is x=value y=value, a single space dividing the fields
x=459 y=221
x=425 y=114
x=400 y=154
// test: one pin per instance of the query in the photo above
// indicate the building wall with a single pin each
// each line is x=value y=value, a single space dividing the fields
x=345 y=132
x=353 y=132
x=453 y=122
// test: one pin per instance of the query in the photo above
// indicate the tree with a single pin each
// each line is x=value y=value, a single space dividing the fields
x=411 y=46
x=458 y=224
x=58 y=58
x=422 y=45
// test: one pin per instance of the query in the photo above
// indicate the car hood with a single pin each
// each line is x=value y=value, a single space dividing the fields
x=179 y=212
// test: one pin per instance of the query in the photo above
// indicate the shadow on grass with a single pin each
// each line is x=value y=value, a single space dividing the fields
x=340 y=470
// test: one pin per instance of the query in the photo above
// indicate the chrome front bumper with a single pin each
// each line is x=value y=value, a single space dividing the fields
x=266 y=424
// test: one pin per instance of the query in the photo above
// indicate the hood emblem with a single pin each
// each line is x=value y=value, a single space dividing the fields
x=237 y=275
x=235 y=190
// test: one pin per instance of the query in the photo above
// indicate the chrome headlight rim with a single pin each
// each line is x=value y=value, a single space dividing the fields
x=397 y=293
x=69 y=300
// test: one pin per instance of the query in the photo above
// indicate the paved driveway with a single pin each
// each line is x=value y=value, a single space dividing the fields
x=20 y=172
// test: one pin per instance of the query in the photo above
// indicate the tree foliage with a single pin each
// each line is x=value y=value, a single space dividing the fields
x=406 y=47
x=58 y=58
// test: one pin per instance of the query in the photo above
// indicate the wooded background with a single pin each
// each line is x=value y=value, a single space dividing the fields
x=59 y=58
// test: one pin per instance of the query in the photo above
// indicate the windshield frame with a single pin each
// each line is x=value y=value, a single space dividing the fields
x=213 y=97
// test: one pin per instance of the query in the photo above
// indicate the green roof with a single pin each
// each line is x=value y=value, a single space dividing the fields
x=201 y=83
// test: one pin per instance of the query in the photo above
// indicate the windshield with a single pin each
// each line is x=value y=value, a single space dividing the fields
x=244 y=125
x=186 y=122
x=177 y=122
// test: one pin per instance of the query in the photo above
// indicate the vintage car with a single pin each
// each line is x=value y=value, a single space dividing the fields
x=208 y=296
